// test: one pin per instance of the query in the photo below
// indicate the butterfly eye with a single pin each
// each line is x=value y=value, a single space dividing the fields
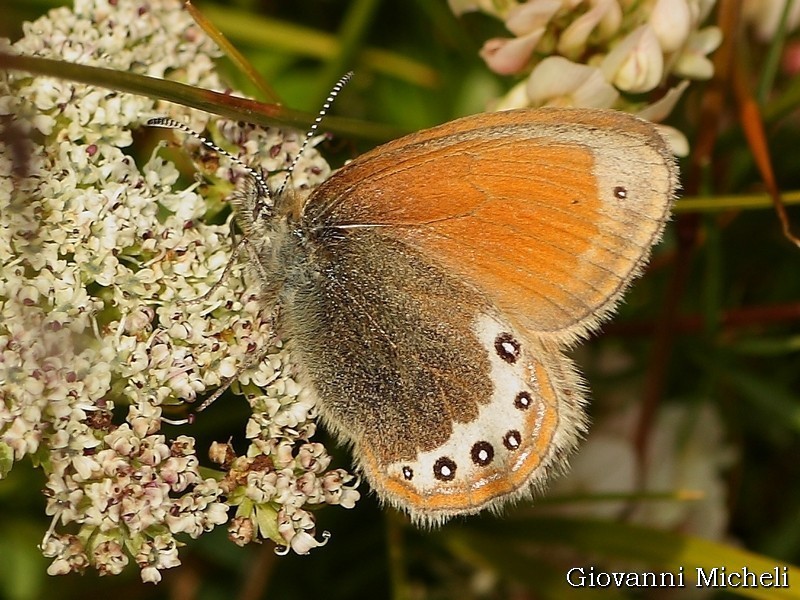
x=507 y=347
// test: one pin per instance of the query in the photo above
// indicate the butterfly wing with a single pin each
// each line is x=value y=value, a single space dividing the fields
x=550 y=213
x=523 y=431
x=449 y=406
x=437 y=280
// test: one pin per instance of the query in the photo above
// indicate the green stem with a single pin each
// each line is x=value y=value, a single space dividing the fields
x=773 y=59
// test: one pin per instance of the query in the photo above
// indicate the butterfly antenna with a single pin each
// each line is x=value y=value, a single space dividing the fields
x=168 y=123
x=321 y=115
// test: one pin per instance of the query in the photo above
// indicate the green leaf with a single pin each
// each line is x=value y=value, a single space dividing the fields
x=6 y=459
x=267 y=519
x=226 y=105
x=262 y=32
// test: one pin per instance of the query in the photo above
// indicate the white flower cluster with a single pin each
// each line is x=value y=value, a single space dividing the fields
x=98 y=259
x=600 y=53
x=123 y=496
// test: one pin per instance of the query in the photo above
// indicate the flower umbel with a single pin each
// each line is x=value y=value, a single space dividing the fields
x=99 y=259
x=600 y=53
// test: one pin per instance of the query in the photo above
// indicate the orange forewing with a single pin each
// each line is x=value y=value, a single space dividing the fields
x=520 y=204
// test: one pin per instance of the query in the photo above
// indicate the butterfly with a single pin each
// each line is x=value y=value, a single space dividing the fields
x=431 y=288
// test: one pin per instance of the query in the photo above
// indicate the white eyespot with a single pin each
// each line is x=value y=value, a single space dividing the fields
x=444 y=469
x=507 y=347
x=512 y=439
x=522 y=401
x=482 y=453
